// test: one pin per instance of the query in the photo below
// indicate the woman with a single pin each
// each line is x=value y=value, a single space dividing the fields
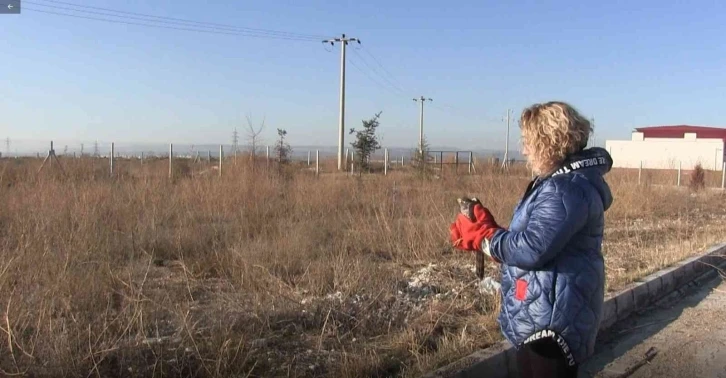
x=553 y=274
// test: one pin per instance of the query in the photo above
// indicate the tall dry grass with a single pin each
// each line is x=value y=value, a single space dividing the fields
x=270 y=272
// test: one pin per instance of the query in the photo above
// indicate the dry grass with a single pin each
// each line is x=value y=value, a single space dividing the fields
x=271 y=273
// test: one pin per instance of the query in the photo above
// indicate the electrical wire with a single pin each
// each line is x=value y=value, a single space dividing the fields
x=387 y=81
x=389 y=78
x=119 y=16
x=201 y=23
x=372 y=79
x=150 y=20
x=166 y=27
x=394 y=86
x=456 y=111
x=367 y=50
x=438 y=105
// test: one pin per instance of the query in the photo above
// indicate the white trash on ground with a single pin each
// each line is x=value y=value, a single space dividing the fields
x=489 y=286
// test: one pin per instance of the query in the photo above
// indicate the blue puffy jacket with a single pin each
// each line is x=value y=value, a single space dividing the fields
x=553 y=273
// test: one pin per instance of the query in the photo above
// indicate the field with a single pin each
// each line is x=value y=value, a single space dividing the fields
x=268 y=272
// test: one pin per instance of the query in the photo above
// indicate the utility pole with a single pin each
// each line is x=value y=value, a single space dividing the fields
x=7 y=146
x=421 y=99
x=235 y=140
x=343 y=40
x=505 y=162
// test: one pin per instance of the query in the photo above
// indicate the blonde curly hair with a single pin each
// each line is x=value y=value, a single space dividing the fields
x=550 y=132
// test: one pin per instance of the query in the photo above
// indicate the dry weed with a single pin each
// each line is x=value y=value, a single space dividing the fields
x=259 y=274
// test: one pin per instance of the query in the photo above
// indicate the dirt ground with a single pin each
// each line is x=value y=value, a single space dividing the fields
x=688 y=337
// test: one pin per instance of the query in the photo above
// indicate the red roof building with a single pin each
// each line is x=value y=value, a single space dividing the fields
x=679 y=131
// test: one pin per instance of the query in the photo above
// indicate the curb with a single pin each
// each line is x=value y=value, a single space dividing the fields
x=498 y=361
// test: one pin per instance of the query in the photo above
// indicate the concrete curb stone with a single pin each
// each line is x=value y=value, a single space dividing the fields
x=498 y=361
x=625 y=301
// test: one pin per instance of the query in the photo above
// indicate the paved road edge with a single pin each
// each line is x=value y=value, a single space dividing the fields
x=497 y=361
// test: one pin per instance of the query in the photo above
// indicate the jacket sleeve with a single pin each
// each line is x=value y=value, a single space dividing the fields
x=559 y=211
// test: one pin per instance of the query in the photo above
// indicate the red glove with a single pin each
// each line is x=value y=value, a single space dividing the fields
x=468 y=235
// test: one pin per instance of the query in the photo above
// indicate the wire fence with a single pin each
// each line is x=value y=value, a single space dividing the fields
x=110 y=160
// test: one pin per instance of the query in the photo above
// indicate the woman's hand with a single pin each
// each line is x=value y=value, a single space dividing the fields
x=468 y=235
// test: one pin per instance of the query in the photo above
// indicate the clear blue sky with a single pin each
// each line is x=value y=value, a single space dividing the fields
x=625 y=63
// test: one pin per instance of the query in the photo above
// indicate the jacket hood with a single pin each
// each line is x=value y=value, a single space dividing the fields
x=592 y=163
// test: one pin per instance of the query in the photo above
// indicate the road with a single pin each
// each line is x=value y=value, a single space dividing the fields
x=687 y=334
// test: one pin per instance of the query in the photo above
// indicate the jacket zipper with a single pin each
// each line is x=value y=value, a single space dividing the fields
x=553 y=293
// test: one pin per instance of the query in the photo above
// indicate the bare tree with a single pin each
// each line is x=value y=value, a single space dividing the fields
x=253 y=136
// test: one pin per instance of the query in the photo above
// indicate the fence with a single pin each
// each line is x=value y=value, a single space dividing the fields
x=676 y=176
x=437 y=160
x=440 y=159
x=145 y=159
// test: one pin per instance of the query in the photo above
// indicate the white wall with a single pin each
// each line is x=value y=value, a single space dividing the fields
x=665 y=153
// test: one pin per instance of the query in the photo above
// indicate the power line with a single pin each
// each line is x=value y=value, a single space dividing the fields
x=391 y=80
x=394 y=86
x=456 y=111
x=181 y=23
x=179 y=20
x=367 y=51
x=373 y=79
x=161 y=26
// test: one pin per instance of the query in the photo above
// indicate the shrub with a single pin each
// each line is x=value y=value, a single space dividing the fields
x=698 y=179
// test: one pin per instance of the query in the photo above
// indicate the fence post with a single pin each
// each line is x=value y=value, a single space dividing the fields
x=679 y=173
x=111 y=157
x=352 y=162
x=385 y=162
x=456 y=162
x=640 y=171
x=402 y=161
x=723 y=176
x=308 y=158
x=50 y=163
x=221 y=154
x=209 y=156
x=317 y=162
x=471 y=160
x=171 y=160
x=268 y=155
x=347 y=150
x=142 y=157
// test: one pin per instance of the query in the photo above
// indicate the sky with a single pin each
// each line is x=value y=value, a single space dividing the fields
x=626 y=64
